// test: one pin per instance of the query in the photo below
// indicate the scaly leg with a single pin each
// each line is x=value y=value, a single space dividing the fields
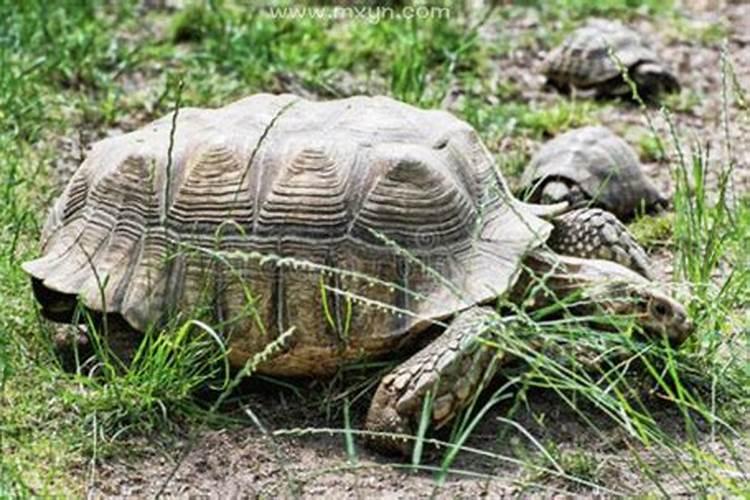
x=451 y=369
x=592 y=233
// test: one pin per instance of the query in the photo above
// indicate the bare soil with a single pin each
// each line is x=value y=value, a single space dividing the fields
x=247 y=462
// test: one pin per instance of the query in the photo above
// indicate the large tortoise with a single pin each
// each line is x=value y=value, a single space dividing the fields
x=591 y=58
x=361 y=225
x=591 y=166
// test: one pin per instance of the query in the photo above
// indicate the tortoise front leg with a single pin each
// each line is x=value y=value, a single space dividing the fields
x=592 y=233
x=555 y=191
x=451 y=369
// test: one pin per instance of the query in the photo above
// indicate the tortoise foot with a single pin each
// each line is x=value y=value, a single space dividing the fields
x=446 y=374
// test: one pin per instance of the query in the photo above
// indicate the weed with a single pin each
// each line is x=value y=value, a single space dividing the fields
x=158 y=387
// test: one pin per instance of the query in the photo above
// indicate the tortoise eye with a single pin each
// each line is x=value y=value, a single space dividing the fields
x=661 y=309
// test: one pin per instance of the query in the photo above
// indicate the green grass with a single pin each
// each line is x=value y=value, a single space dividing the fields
x=80 y=68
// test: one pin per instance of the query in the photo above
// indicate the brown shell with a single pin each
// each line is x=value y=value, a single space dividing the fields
x=354 y=222
x=604 y=166
x=583 y=59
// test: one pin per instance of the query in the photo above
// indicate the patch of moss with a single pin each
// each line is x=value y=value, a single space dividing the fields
x=649 y=148
x=653 y=230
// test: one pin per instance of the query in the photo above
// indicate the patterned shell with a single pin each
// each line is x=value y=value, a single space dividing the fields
x=352 y=223
x=583 y=58
x=604 y=166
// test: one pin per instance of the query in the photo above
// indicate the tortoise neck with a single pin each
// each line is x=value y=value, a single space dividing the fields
x=547 y=278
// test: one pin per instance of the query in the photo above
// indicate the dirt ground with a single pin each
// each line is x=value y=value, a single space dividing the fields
x=250 y=463
x=246 y=463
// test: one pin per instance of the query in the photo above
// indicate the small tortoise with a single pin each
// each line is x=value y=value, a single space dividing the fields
x=359 y=225
x=585 y=61
x=591 y=166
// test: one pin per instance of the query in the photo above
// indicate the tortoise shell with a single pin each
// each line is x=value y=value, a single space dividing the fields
x=600 y=163
x=354 y=223
x=583 y=60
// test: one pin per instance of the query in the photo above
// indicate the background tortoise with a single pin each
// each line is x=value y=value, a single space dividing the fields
x=359 y=224
x=583 y=61
x=590 y=166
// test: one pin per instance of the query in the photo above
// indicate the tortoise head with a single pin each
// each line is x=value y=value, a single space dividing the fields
x=656 y=313
x=615 y=290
